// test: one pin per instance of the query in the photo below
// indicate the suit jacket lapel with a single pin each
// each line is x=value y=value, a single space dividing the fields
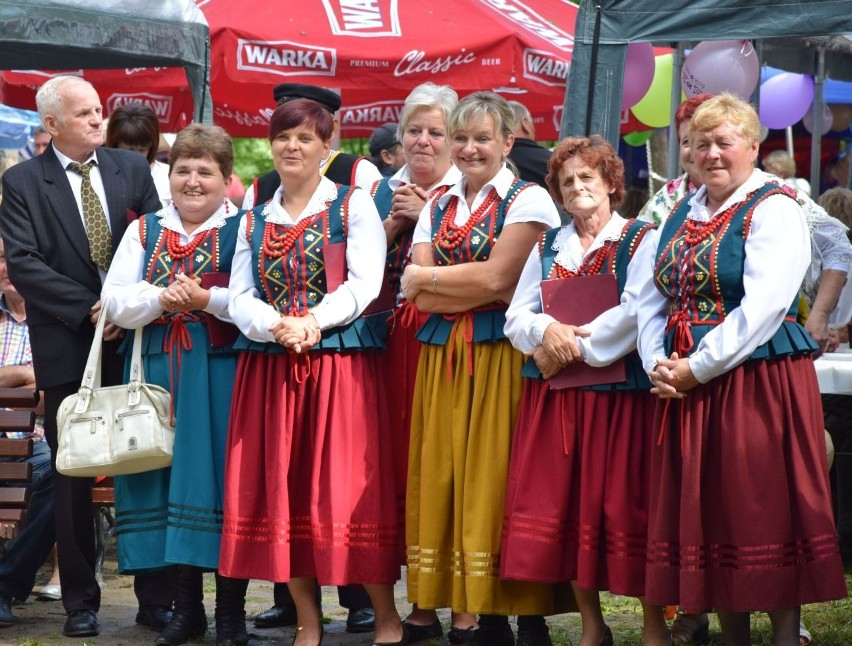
x=115 y=187
x=64 y=206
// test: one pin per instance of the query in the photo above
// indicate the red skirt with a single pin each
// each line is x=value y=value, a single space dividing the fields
x=577 y=501
x=399 y=366
x=309 y=488
x=740 y=514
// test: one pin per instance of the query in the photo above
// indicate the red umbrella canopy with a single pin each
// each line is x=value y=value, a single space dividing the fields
x=374 y=52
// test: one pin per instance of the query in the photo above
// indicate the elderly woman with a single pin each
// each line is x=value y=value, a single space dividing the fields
x=309 y=493
x=470 y=245
x=578 y=482
x=428 y=172
x=134 y=126
x=741 y=443
x=173 y=517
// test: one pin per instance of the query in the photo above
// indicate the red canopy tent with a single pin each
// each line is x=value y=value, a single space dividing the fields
x=372 y=51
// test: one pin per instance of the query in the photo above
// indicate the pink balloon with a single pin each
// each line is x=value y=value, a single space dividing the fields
x=784 y=99
x=827 y=118
x=721 y=66
x=638 y=73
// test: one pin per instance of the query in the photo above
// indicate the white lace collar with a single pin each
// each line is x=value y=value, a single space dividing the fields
x=698 y=202
x=170 y=219
x=569 y=251
x=324 y=194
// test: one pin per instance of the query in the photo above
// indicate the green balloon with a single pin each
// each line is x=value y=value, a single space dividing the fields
x=654 y=108
x=637 y=137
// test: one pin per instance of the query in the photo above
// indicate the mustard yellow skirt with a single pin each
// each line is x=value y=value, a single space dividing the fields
x=461 y=439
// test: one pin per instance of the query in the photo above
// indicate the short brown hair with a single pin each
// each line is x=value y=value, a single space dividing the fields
x=596 y=152
x=837 y=202
x=198 y=141
x=134 y=124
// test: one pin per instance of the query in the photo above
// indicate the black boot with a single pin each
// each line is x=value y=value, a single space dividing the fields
x=189 y=620
x=533 y=631
x=231 y=611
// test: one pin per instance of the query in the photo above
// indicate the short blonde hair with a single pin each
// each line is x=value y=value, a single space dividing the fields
x=727 y=108
x=779 y=162
x=477 y=105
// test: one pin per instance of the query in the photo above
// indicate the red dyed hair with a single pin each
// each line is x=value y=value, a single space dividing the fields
x=299 y=112
x=686 y=109
x=595 y=152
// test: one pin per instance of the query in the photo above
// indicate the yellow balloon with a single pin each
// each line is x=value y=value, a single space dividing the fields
x=637 y=138
x=654 y=108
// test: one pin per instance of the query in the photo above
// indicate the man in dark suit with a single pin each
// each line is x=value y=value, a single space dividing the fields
x=530 y=158
x=50 y=260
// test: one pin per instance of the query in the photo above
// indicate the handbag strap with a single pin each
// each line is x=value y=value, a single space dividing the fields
x=92 y=372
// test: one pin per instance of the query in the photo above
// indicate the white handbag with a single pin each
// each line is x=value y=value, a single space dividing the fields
x=115 y=430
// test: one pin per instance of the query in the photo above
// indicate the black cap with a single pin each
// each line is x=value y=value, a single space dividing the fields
x=289 y=91
x=383 y=138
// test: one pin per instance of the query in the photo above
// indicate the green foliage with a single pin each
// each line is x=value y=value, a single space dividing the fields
x=252 y=156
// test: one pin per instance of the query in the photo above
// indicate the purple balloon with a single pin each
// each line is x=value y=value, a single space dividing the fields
x=784 y=99
x=638 y=73
x=827 y=118
x=721 y=66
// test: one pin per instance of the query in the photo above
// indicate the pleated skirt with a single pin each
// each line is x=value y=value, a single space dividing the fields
x=577 y=503
x=461 y=437
x=174 y=515
x=740 y=511
x=309 y=482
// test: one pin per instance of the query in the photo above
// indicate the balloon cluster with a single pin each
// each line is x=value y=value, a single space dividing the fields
x=713 y=66
x=716 y=66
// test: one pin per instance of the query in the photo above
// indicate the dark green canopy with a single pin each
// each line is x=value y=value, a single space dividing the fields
x=792 y=33
x=94 y=34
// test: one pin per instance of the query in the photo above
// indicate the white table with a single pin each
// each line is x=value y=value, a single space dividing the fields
x=834 y=371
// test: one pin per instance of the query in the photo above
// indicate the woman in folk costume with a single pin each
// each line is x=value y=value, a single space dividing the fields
x=470 y=245
x=428 y=172
x=173 y=517
x=309 y=493
x=740 y=510
x=578 y=483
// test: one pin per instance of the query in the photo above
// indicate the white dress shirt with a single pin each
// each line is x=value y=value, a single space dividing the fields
x=613 y=333
x=532 y=204
x=133 y=301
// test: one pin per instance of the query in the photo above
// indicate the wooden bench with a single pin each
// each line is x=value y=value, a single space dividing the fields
x=103 y=502
x=15 y=475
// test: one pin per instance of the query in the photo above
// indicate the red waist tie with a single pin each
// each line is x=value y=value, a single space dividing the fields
x=466 y=319
x=176 y=340
x=682 y=343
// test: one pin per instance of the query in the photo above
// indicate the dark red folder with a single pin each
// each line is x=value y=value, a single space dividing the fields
x=576 y=301
x=336 y=271
x=221 y=334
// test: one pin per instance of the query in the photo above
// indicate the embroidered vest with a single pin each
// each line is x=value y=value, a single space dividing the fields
x=213 y=253
x=702 y=276
x=399 y=249
x=616 y=261
x=297 y=281
x=489 y=320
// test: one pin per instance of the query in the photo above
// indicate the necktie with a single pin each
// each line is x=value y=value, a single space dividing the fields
x=100 y=240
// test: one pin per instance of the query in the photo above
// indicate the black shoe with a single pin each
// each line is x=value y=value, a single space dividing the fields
x=276 y=617
x=81 y=623
x=422 y=633
x=6 y=616
x=534 y=638
x=183 y=627
x=461 y=635
x=500 y=635
x=361 y=620
x=155 y=617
